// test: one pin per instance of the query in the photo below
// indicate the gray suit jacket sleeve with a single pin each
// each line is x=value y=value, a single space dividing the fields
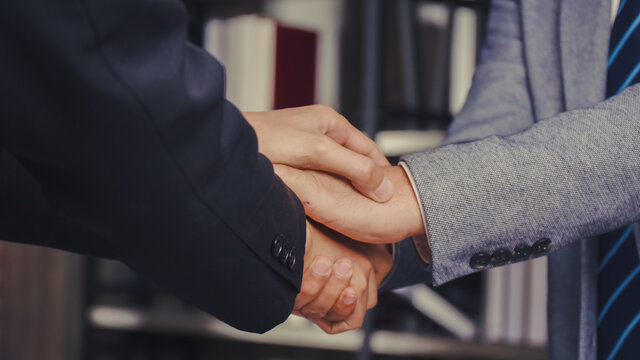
x=500 y=77
x=568 y=177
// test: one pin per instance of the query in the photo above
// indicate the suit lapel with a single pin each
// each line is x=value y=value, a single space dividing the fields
x=540 y=19
x=584 y=45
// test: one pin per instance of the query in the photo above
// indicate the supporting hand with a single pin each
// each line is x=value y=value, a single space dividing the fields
x=335 y=203
x=340 y=279
x=317 y=137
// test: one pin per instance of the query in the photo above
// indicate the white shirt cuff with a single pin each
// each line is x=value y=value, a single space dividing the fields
x=421 y=242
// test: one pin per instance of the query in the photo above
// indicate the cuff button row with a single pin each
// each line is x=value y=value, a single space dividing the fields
x=282 y=250
x=503 y=256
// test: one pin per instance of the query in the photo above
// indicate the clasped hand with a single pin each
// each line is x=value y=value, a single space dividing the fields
x=351 y=192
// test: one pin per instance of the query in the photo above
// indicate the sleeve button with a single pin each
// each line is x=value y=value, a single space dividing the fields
x=286 y=253
x=541 y=247
x=500 y=257
x=522 y=252
x=277 y=246
x=480 y=261
x=291 y=262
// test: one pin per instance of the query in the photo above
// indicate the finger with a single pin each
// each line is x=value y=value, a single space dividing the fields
x=334 y=203
x=325 y=300
x=354 y=321
x=345 y=305
x=329 y=122
x=314 y=279
x=348 y=136
x=327 y=155
x=315 y=199
x=372 y=291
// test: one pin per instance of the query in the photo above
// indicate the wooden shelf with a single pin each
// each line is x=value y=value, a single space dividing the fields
x=297 y=332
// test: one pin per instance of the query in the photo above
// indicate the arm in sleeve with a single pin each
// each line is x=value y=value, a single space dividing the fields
x=498 y=103
x=125 y=126
x=25 y=216
x=568 y=177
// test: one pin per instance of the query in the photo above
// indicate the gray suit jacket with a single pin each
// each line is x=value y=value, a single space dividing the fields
x=536 y=152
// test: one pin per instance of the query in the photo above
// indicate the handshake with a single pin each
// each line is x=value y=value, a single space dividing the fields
x=356 y=203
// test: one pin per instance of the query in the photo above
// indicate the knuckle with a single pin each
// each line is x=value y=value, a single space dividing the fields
x=331 y=331
x=309 y=287
x=313 y=312
x=326 y=116
x=321 y=146
x=323 y=109
x=368 y=170
x=359 y=283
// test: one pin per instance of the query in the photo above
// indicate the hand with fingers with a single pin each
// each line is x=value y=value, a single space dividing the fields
x=340 y=280
x=341 y=276
x=332 y=201
x=317 y=137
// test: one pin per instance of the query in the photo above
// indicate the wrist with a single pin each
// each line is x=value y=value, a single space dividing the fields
x=383 y=261
x=406 y=200
x=307 y=243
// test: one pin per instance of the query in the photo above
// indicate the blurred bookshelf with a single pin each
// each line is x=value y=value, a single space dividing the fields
x=397 y=69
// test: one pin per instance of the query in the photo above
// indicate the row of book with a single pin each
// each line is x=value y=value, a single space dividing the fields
x=287 y=57
x=268 y=65
x=429 y=55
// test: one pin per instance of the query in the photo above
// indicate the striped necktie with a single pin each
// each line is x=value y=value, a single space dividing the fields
x=619 y=270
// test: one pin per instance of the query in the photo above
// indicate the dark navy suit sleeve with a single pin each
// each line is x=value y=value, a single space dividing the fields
x=26 y=217
x=125 y=127
x=408 y=269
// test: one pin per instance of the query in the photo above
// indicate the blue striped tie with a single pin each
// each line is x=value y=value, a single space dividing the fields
x=619 y=271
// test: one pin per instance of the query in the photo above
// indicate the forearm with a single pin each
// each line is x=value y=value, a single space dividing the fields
x=26 y=217
x=565 y=178
x=126 y=128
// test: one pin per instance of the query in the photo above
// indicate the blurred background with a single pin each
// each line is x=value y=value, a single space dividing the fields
x=397 y=69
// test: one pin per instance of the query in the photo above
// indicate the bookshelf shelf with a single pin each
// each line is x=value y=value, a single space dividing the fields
x=296 y=332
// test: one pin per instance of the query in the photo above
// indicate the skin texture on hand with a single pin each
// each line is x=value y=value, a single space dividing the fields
x=317 y=137
x=333 y=202
x=341 y=281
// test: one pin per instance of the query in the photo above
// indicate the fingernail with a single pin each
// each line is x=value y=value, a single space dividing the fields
x=385 y=190
x=343 y=268
x=349 y=298
x=321 y=267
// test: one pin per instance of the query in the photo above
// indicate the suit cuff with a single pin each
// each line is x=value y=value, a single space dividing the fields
x=408 y=268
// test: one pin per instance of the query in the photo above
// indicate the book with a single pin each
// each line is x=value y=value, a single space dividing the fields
x=516 y=303
x=324 y=18
x=464 y=39
x=433 y=57
x=268 y=65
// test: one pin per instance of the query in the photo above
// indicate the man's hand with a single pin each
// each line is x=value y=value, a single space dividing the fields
x=339 y=282
x=317 y=137
x=333 y=202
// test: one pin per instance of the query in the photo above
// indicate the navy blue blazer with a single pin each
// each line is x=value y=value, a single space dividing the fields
x=116 y=140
